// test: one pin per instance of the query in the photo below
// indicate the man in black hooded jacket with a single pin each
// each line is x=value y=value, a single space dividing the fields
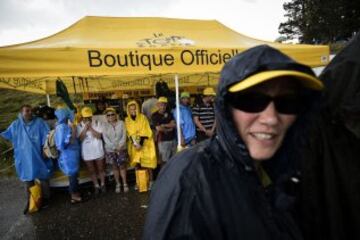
x=233 y=186
x=329 y=154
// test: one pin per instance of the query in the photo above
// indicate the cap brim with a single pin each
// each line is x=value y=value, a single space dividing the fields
x=307 y=80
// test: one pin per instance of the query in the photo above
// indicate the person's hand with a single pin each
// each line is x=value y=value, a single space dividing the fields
x=72 y=126
x=137 y=146
x=209 y=133
x=120 y=149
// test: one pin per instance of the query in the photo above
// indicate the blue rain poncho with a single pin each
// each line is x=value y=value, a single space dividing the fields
x=186 y=123
x=28 y=140
x=69 y=151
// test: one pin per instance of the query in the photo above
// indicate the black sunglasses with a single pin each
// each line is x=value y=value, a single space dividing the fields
x=111 y=114
x=257 y=102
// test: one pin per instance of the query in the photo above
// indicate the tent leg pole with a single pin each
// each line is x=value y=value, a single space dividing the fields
x=177 y=112
x=48 y=100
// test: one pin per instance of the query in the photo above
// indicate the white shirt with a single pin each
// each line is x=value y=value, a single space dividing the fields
x=91 y=148
x=114 y=136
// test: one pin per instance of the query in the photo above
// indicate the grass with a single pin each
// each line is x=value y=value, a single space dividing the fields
x=11 y=101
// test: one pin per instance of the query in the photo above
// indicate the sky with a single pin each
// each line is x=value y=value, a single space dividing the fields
x=27 y=20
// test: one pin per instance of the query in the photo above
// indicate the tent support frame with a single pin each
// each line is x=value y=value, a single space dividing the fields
x=48 y=100
x=178 y=130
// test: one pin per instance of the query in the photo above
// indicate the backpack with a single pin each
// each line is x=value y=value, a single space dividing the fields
x=49 y=149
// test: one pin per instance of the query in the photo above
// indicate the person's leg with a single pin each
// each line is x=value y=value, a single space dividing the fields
x=45 y=192
x=101 y=173
x=165 y=149
x=74 y=188
x=91 y=168
x=123 y=171
x=45 y=188
x=116 y=173
x=111 y=158
x=28 y=185
x=173 y=148
x=161 y=147
x=150 y=171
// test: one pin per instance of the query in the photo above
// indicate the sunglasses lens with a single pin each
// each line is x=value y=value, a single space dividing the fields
x=109 y=115
x=288 y=104
x=251 y=103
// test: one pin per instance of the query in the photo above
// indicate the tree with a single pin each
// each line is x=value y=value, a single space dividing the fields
x=320 y=21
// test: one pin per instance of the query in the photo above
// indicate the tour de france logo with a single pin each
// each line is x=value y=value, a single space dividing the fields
x=161 y=40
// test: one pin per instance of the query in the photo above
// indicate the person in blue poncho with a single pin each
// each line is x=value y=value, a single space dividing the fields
x=187 y=125
x=28 y=135
x=69 y=150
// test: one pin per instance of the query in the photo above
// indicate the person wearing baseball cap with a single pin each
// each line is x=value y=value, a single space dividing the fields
x=233 y=185
x=187 y=126
x=165 y=136
x=89 y=132
x=114 y=136
x=204 y=115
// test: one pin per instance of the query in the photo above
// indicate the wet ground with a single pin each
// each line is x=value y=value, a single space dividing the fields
x=110 y=216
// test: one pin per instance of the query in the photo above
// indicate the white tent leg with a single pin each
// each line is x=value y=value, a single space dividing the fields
x=48 y=100
x=177 y=111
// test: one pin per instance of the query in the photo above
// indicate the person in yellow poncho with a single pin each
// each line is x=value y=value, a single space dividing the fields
x=141 y=145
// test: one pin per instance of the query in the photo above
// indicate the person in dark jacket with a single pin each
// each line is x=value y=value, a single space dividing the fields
x=233 y=186
x=329 y=152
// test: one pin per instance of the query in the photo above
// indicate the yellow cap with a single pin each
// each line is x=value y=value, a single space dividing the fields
x=109 y=109
x=60 y=105
x=185 y=95
x=209 y=91
x=162 y=100
x=306 y=80
x=86 y=112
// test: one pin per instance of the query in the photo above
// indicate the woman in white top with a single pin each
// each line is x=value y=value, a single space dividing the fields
x=92 y=149
x=114 y=136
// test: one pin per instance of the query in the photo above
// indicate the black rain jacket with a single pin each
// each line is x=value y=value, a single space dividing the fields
x=330 y=154
x=211 y=190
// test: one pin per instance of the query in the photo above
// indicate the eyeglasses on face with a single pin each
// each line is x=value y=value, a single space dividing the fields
x=110 y=114
x=258 y=102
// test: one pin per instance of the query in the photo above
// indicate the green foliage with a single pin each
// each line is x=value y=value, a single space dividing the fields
x=320 y=21
x=11 y=101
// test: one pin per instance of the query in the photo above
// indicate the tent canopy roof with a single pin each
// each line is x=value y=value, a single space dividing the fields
x=126 y=32
x=132 y=32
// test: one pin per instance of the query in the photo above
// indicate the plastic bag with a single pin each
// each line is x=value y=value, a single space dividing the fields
x=35 y=197
x=142 y=180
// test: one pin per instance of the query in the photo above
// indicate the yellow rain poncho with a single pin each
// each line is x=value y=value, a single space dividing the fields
x=140 y=127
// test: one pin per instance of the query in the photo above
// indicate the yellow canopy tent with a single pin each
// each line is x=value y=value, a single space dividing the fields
x=113 y=53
